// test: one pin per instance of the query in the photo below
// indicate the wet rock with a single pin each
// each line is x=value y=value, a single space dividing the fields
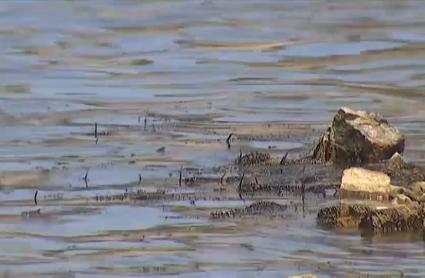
x=160 y=150
x=365 y=184
x=403 y=173
x=419 y=187
x=401 y=199
x=31 y=213
x=263 y=208
x=358 y=137
x=393 y=219
x=399 y=190
x=396 y=161
x=342 y=215
x=324 y=150
x=372 y=217
x=109 y=198
x=254 y=158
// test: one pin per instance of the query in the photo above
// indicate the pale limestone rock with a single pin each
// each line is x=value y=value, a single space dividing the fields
x=362 y=181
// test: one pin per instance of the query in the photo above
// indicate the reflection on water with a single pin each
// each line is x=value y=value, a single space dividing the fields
x=95 y=220
x=177 y=74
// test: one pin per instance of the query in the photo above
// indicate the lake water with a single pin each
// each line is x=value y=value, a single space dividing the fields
x=179 y=74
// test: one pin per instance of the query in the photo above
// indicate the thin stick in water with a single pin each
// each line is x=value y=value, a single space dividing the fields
x=240 y=186
x=228 y=140
x=35 y=197
x=180 y=176
x=282 y=161
x=240 y=156
x=222 y=178
x=86 y=179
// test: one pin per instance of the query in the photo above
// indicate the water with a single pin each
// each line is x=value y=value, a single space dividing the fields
x=196 y=70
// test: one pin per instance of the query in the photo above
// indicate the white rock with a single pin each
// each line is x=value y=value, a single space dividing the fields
x=362 y=180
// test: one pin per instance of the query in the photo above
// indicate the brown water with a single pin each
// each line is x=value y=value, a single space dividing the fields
x=195 y=70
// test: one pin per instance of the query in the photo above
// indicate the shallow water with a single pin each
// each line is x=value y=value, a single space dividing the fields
x=181 y=75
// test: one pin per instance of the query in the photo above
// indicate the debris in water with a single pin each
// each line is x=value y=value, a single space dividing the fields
x=282 y=161
x=228 y=140
x=161 y=150
x=180 y=176
x=261 y=208
x=86 y=180
x=240 y=186
x=35 y=197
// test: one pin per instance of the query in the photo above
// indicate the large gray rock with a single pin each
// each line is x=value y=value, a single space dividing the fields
x=358 y=137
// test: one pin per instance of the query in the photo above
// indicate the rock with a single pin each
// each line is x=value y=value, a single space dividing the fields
x=161 y=150
x=304 y=276
x=342 y=215
x=358 y=137
x=401 y=199
x=253 y=158
x=392 y=219
x=263 y=208
x=396 y=161
x=418 y=187
x=399 y=190
x=365 y=184
x=403 y=173
x=371 y=217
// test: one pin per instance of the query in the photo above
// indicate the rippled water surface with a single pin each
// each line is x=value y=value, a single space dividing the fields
x=165 y=81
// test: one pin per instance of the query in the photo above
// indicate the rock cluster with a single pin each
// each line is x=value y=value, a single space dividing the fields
x=386 y=194
x=370 y=202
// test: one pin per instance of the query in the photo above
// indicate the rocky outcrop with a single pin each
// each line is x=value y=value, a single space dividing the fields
x=394 y=208
x=372 y=217
x=358 y=137
x=360 y=183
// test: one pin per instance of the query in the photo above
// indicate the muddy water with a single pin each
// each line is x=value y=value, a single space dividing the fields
x=183 y=75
